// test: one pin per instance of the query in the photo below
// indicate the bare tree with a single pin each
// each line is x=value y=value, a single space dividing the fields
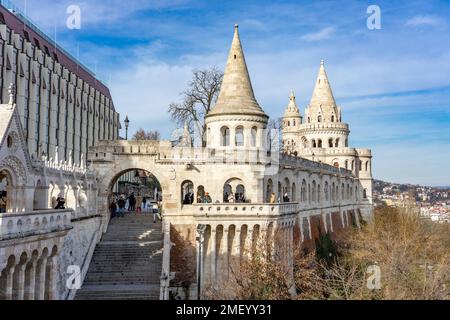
x=141 y=134
x=198 y=99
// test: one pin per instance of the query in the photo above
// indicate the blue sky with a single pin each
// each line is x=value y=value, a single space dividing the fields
x=393 y=84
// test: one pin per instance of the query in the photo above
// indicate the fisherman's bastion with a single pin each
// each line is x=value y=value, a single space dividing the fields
x=304 y=183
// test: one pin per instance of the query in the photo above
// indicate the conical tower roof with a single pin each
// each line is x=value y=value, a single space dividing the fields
x=236 y=93
x=292 y=108
x=322 y=105
x=322 y=94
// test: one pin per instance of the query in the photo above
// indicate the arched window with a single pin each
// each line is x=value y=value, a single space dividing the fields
x=239 y=136
x=303 y=191
x=286 y=190
x=365 y=193
x=337 y=143
x=309 y=120
x=319 y=143
x=293 y=123
x=234 y=191
x=304 y=142
x=254 y=133
x=289 y=123
x=269 y=190
x=294 y=192
x=367 y=165
x=346 y=164
x=200 y=194
x=333 y=192
x=187 y=192
x=353 y=165
x=314 y=191
x=225 y=136
x=342 y=191
x=325 y=189
x=346 y=142
x=332 y=118
x=313 y=143
x=319 y=119
x=319 y=191
x=330 y=142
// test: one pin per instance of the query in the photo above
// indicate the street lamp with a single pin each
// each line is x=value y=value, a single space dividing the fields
x=200 y=239
x=127 y=124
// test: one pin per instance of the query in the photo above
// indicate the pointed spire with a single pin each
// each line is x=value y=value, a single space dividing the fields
x=292 y=108
x=322 y=92
x=322 y=105
x=236 y=93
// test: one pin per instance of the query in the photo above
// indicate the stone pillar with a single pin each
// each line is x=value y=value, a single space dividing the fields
x=248 y=242
x=212 y=252
x=9 y=283
x=236 y=249
x=40 y=283
x=20 y=274
x=223 y=254
x=52 y=266
x=31 y=281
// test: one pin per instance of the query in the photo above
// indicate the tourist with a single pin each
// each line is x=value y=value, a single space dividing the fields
x=132 y=202
x=286 y=197
x=144 y=204
x=138 y=204
x=113 y=208
x=3 y=202
x=60 y=201
x=187 y=198
x=231 y=198
x=208 y=198
x=191 y=198
x=272 y=198
x=225 y=197
x=121 y=205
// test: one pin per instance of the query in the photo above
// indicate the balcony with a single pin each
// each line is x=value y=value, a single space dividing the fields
x=23 y=224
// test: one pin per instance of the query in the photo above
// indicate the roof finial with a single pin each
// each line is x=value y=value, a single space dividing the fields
x=236 y=26
x=322 y=62
x=292 y=95
x=12 y=93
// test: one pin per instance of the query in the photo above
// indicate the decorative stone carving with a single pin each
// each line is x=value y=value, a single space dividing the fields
x=17 y=166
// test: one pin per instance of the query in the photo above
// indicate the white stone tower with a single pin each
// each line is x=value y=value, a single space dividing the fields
x=323 y=137
x=290 y=125
x=236 y=120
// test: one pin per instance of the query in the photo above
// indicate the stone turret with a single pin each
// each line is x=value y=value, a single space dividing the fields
x=236 y=120
x=322 y=107
x=291 y=124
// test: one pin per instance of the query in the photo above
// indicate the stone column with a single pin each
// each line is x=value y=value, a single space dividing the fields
x=212 y=252
x=20 y=274
x=40 y=283
x=236 y=249
x=9 y=283
x=248 y=243
x=223 y=254
x=52 y=267
x=31 y=283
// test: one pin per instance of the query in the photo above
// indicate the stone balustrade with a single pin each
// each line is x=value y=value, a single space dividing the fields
x=36 y=222
x=257 y=209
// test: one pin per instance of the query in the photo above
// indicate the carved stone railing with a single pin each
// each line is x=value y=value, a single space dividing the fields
x=260 y=209
x=22 y=224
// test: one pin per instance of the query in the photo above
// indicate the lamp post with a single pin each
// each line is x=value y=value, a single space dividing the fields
x=200 y=239
x=127 y=124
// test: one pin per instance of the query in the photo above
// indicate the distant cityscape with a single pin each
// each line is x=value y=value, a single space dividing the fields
x=432 y=202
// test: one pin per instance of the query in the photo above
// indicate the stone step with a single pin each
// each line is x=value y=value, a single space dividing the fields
x=127 y=262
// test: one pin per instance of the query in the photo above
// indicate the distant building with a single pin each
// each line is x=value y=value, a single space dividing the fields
x=60 y=102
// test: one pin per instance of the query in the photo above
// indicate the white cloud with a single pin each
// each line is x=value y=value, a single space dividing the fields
x=425 y=20
x=323 y=34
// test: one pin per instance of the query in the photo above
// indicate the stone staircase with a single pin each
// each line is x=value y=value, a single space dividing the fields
x=127 y=263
